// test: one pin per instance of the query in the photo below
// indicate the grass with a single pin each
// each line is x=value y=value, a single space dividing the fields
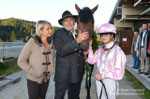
x=138 y=85
x=9 y=67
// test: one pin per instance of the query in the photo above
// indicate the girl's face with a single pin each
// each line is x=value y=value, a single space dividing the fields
x=106 y=38
x=46 y=31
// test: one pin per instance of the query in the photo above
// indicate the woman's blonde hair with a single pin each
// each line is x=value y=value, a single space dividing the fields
x=40 y=25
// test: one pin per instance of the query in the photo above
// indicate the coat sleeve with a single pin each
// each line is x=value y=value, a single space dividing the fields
x=61 y=47
x=24 y=55
x=119 y=67
x=92 y=58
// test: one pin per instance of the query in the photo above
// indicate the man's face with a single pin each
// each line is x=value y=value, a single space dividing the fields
x=144 y=26
x=68 y=23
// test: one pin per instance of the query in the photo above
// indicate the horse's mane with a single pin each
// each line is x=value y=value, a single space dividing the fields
x=86 y=15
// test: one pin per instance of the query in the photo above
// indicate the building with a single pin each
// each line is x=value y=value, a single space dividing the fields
x=128 y=16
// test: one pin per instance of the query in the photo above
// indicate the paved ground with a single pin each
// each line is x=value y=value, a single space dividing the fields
x=19 y=90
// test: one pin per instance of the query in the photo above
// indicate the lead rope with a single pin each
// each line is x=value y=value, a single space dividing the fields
x=103 y=85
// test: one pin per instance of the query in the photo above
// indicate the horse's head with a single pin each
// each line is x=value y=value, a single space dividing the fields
x=85 y=22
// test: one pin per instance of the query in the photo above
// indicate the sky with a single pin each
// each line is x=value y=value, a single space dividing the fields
x=51 y=10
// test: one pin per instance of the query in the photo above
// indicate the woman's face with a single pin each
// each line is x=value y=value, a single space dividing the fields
x=47 y=30
x=106 y=38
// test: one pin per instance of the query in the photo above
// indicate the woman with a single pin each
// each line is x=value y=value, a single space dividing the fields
x=110 y=63
x=39 y=50
x=134 y=53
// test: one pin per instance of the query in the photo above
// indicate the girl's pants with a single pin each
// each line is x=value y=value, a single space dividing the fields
x=111 y=89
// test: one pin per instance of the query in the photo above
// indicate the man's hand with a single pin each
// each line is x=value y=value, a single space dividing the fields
x=98 y=76
x=131 y=52
x=82 y=37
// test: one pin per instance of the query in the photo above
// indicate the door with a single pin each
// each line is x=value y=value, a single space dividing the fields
x=125 y=40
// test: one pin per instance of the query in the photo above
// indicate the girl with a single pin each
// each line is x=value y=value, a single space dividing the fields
x=39 y=50
x=110 y=63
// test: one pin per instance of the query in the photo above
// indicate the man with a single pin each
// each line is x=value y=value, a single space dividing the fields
x=135 y=58
x=143 y=45
x=69 y=58
x=137 y=42
x=137 y=46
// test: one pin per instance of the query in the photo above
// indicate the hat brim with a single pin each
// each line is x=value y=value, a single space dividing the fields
x=106 y=33
x=73 y=16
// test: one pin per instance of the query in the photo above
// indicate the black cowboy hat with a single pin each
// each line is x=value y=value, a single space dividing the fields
x=66 y=14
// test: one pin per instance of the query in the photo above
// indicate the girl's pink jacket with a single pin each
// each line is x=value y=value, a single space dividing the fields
x=110 y=64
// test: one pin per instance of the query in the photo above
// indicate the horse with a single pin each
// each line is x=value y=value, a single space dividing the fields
x=85 y=23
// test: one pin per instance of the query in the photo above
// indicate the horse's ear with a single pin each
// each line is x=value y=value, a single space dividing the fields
x=77 y=8
x=94 y=9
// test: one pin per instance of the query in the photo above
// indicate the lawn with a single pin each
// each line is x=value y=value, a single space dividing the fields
x=9 y=66
x=138 y=85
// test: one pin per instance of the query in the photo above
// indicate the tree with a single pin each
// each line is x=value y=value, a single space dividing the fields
x=21 y=28
x=13 y=36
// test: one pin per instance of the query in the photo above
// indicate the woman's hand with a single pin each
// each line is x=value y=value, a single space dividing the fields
x=98 y=76
x=148 y=51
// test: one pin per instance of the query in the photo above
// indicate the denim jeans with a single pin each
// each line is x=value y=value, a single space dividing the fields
x=135 y=60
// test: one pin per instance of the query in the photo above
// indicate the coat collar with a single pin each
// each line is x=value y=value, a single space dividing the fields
x=38 y=40
x=70 y=33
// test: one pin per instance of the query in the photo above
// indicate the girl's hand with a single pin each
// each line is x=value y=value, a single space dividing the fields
x=98 y=76
x=86 y=52
x=90 y=43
